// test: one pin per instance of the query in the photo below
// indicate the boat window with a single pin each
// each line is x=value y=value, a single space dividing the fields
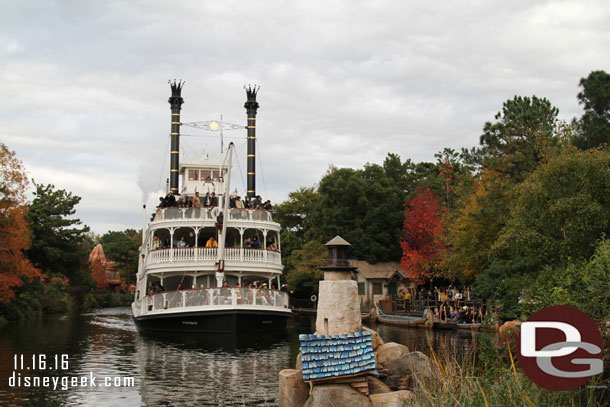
x=206 y=174
x=193 y=175
x=360 y=288
x=377 y=289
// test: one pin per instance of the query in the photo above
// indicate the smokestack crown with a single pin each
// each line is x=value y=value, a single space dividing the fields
x=175 y=99
x=251 y=104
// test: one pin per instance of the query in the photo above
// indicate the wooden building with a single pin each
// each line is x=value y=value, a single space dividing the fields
x=378 y=281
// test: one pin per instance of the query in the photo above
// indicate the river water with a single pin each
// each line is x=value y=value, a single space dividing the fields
x=117 y=366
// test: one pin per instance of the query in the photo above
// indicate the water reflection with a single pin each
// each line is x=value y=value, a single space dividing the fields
x=169 y=369
x=187 y=375
x=457 y=342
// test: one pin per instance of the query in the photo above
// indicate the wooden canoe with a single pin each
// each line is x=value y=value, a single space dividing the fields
x=474 y=326
x=401 y=320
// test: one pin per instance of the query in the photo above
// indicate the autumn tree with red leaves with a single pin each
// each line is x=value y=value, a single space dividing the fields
x=14 y=233
x=423 y=244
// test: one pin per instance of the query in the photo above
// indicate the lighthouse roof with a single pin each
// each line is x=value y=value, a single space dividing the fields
x=337 y=241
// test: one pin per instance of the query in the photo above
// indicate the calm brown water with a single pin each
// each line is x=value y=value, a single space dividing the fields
x=167 y=370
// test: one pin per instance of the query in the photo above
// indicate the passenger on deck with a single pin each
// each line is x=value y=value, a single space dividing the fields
x=181 y=242
x=258 y=202
x=248 y=243
x=225 y=292
x=170 y=200
x=263 y=295
x=156 y=244
x=267 y=205
x=190 y=240
x=206 y=200
x=196 y=201
x=239 y=204
x=211 y=242
x=249 y=294
x=232 y=203
x=213 y=199
x=248 y=203
x=272 y=245
x=256 y=244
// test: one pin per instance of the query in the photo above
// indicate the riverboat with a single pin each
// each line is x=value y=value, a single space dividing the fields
x=209 y=267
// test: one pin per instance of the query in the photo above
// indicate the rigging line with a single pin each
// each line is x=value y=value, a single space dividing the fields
x=192 y=149
x=262 y=173
x=241 y=174
x=164 y=159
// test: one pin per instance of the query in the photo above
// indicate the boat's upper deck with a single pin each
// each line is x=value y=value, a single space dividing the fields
x=201 y=198
x=173 y=214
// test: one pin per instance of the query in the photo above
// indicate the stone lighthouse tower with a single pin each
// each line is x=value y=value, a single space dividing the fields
x=338 y=306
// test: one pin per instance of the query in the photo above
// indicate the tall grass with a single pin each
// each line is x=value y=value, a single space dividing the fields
x=490 y=377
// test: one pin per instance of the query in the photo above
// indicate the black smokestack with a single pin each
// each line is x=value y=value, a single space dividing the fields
x=251 y=107
x=176 y=102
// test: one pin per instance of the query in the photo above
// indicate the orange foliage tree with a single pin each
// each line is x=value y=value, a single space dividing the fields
x=14 y=232
x=423 y=244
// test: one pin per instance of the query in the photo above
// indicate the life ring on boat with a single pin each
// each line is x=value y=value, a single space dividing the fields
x=313 y=298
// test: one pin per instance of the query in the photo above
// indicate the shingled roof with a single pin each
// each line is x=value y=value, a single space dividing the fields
x=328 y=356
x=378 y=270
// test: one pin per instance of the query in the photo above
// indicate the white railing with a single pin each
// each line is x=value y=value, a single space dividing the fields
x=241 y=297
x=211 y=213
x=188 y=254
x=256 y=255
x=206 y=253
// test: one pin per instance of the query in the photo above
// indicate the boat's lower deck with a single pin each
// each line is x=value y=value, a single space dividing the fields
x=214 y=321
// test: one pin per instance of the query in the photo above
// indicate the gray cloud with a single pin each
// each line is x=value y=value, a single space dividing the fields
x=84 y=93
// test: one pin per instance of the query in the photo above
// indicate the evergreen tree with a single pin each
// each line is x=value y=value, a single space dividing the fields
x=594 y=125
x=59 y=244
x=520 y=138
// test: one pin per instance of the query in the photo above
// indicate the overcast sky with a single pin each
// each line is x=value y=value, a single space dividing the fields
x=83 y=91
